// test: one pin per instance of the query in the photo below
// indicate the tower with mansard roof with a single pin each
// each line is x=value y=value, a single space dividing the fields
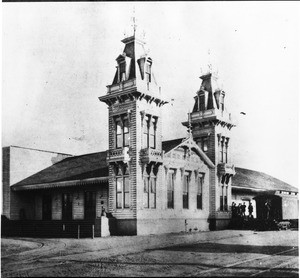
x=134 y=102
x=211 y=125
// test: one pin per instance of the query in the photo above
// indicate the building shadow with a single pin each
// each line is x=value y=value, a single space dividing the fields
x=234 y=248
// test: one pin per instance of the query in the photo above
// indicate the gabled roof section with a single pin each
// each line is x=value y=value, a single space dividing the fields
x=171 y=144
x=167 y=146
x=70 y=169
x=250 y=179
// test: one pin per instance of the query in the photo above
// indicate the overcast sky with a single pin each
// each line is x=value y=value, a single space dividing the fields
x=59 y=57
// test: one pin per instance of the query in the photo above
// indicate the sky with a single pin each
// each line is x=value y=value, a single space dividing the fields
x=58 y=58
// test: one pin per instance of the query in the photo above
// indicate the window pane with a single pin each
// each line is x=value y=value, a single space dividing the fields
x=200 y=182
x=119 y=184
x=153 y=200
x=202 y=104
x=126 y=184
x=119 y=127
x=145 y=140
x=199 y=201
x=119 y=200
x=119 y=141
x=170 y=199
x=146 y=185
x=126 y=125
x=221 y=202
x=146 y=200
x=153 y=185
x=152 y=141
x=126 y=139
x=205 y=144
x=126 y=200
x=122 y=67
x=185 y=201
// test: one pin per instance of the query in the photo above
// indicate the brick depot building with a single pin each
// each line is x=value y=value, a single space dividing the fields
x=142 y=184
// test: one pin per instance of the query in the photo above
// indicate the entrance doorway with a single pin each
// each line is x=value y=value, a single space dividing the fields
x=46 y=207
x=66 y=206
x=89 y=205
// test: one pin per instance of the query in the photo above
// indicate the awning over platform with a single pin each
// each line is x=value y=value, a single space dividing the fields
x=72 y=183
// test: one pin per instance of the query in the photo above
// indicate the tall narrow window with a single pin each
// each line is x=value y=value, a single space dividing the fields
x=148 y=72
x=202 y=102
x=170 y=196
x=221 y=199
x=225 y=198
x=146 y=191
x=205 y=144
x=199 y=192
x=122 y=131
x=126 y=191
x=119 y=182
x=122 y=188
x=126 y=132
x=146 y=132
x=119 y=141
x=153 y=192
x=152 y=134
x=122 y=67
x=149 y=131
x=185 y=191
x=222 y=150
x=226 y=151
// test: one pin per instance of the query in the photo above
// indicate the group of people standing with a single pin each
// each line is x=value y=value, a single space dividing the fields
x=239 y=211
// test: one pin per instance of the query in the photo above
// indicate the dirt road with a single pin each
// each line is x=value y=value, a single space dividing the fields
x=220 y=253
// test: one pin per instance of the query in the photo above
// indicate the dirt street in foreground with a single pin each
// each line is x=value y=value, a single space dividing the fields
x=219 y=253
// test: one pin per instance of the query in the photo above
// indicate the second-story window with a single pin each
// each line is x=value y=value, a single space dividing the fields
x=122 y=131
x=126 y=132
x=203 y=144
x=119 y=128
x=149 y=132
x=226 y=150
x=152 y=135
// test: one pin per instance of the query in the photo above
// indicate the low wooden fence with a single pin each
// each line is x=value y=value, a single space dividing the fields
x=52 y=228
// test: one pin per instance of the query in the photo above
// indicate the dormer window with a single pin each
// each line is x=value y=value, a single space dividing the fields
x=148 y=72
x=222 y=103
x=202 y=102
x=122 y=71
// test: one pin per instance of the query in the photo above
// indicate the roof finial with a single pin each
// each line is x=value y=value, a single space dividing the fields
x=190 y=133
x=209 y=62
x=190 y=125
x=134 y=25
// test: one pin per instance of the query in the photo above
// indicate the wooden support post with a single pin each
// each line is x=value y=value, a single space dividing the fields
x=93 y=231
x=78 y=232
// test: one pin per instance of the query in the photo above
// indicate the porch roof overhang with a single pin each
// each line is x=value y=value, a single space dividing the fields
x=249 y=189
x=61 y=184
